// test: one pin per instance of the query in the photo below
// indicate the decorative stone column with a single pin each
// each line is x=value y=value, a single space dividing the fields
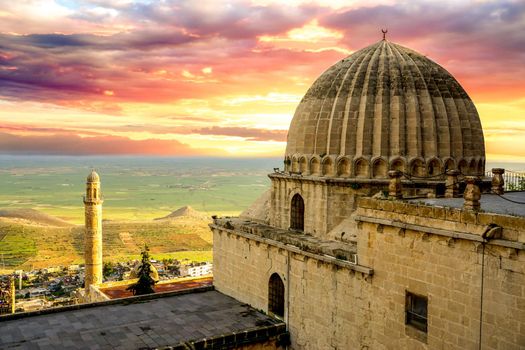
x=472 y=194
x=395 y=190
x=498 y=182
x=452 y=184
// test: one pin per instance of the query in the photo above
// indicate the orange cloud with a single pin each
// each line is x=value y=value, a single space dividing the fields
x=226 y=77
x=70 y=144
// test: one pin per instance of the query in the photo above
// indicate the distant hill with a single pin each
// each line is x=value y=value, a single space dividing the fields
x=34 y=216
x=260 y=209
x=30 y=239
x=185 y=211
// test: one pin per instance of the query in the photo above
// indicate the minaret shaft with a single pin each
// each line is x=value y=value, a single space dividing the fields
x=93 y=232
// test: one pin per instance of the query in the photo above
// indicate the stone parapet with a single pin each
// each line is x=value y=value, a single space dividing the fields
x=444 y=220
x=268 y=337
x=331 y=252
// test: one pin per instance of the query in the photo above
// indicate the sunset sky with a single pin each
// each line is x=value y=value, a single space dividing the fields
x=224 y=77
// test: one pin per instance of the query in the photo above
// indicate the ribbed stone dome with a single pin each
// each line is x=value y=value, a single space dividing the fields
x=385 y=107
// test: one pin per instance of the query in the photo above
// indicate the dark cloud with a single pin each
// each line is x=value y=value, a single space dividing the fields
x=469 y=40
x=494 y=28
x=71 y=144
x=233 y=20
x=144 y=39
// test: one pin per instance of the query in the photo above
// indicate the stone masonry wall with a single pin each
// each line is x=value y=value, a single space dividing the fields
x=448 y=270
x=242 y=269
x=325 y=205
x=329 y=307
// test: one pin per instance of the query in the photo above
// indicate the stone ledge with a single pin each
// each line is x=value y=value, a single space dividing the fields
x=325 y=251
x=436 y=231
x=353 y=180
x=441 y=232
x=433 y=211
x=276 y=333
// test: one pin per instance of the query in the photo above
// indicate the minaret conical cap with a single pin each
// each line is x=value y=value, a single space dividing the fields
x=93 y=177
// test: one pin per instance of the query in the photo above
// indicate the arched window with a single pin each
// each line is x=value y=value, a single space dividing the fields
x=297 y=213
x=276 y=295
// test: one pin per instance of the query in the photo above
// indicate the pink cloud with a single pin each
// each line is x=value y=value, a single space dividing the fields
x=71 y=144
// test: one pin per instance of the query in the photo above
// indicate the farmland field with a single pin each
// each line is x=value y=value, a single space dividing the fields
x=27 y=245
x=134 y=188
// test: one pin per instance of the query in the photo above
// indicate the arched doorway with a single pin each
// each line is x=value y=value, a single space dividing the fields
x=297 y=213
x=276 y=295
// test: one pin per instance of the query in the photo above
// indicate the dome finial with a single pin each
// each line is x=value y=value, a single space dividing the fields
x=384 y=31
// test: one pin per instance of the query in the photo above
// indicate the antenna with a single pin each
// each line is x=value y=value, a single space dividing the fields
x=384 y=31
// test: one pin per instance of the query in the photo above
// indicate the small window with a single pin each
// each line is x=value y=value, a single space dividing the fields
x=416 y=311
x=297 y=213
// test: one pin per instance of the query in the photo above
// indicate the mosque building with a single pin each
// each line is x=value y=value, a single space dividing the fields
x=381 y=232
x=362 y=242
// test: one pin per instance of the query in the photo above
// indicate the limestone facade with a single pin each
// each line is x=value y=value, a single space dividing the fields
x=93 y=232
x=326 y=203
x=439 y=253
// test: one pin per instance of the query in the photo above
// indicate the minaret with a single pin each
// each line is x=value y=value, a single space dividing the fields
x=93 y=232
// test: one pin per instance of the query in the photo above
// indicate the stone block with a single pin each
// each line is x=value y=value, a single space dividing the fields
x=453 y=214
x=468 y=217
x=425 y=211
x=439 y=213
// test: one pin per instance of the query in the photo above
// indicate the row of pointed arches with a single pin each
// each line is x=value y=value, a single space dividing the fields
x=361 y=167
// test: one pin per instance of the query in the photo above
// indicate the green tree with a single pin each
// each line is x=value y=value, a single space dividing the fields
x=107 y=269
x=145 y=283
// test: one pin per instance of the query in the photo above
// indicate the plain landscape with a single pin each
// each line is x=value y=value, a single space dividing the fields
x=166 y=203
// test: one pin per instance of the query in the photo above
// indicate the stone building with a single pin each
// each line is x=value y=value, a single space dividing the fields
x=93 y=232
x=362 y=243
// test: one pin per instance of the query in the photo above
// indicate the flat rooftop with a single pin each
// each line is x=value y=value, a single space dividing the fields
x=120 y=291
x=490 y=203
x=140 y=323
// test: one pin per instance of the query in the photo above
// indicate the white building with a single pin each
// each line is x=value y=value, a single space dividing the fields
x=196 y=270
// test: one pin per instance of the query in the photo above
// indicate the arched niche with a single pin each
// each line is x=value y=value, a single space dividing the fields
x=379 y=168
x=398 y=164
x=287 y=164
x=314 y=166
x=473 y=167
x=481 y=167
x=463 y=167
x=434 y=167
x=303 y=165
x=418 y=168
x=362 y=168
x=328 y=166
x=295 y=164
x=450 y=164
x=343 y=167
